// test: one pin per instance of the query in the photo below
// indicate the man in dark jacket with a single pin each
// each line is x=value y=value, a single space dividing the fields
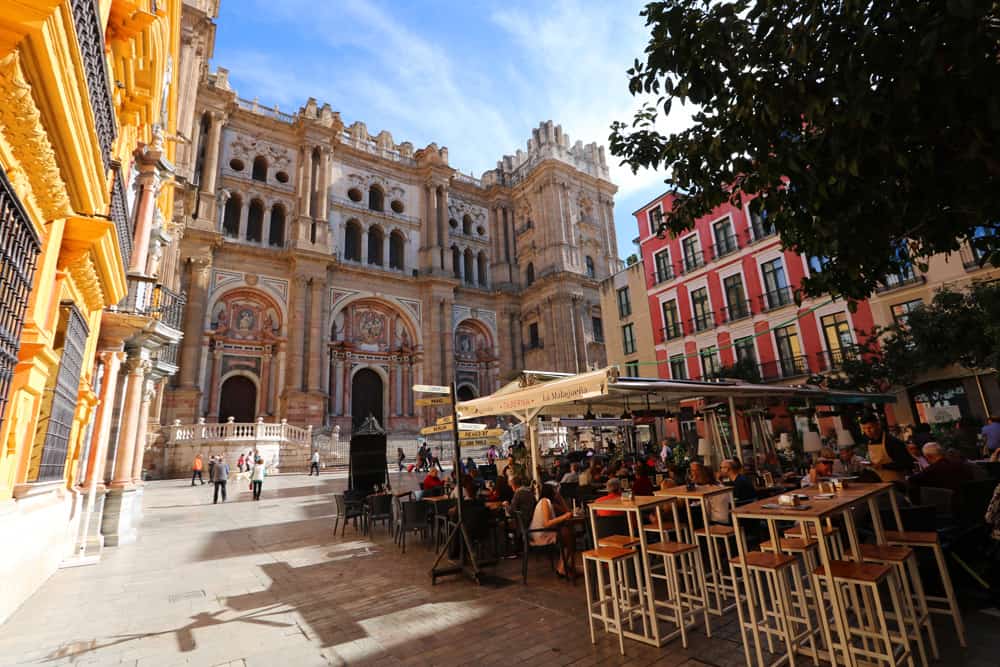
x=942 y=472
x=220 y=475
x=900 y=462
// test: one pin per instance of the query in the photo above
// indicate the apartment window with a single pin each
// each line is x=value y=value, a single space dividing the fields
x=533 y=341
x=692 y=254
x=664 y=271
x=628 y=339
x=776 y=292
x=901 y=311
x=736 y=299
x=837 y=334
x=655 y=219
x=789 y=351
x=671 y=320
x=905 y=275
x=699 y=306
x=624 y=303
x=743 y=347
x=709 y=362
x=817 y=264
x=598 y=327
x=725 y=240
x=678 y=367
x=632 y=369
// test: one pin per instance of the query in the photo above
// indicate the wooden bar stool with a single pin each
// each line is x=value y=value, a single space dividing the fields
x=807 y=556
x=771 y=612
x=915 y=612
x=684 y=577
x=720 y=582
x=830 y=532
x=861 y=582
x=610 y=608
x=947 y=605
x=666 y=528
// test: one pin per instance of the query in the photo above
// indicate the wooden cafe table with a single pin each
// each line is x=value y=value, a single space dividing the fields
x=813 y=512
x=634 y=510
x=699 y=496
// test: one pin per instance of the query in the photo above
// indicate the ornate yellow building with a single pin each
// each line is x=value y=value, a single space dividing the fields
x=87 y=132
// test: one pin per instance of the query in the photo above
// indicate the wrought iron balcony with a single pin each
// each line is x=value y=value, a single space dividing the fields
x=904 y=278
x=693 y=261
x=734 y=312
x=148 y=298
x=831 y=360
x=700 y=323
x=723 y=246
x=776 y=299
x=663 y=274
x=784 y=368
x=90 y=37
x=672 y=331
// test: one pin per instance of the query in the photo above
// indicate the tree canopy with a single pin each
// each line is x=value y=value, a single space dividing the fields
x=869 y=131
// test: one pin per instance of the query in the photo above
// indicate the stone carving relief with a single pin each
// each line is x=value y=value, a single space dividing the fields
x=458 y=209
x=248 y=147
x=244 y=315
x=371 y=326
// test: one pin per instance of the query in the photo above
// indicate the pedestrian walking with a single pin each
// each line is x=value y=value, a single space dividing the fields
x=314 y=465
x=211 y=466
x=400 y=458
x=257 y=477
x=220 y=475
x=196 y=469
x=239 y=463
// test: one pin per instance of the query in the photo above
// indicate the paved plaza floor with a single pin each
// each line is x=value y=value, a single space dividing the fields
x=268 y=583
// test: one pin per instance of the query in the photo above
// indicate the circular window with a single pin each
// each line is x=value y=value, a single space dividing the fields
x=453 y=223
x=397 y=206
x=281 y=177
x=480 y=230
x=236 y=164
x=355 y=194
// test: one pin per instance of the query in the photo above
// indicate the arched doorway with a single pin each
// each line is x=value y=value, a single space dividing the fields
x=465 y=393
x=366 y=397
x=238 y=399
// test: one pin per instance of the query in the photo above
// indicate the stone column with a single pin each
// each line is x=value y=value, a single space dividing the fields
x=111 y=360
x=297 y=343
x=211 y=164
x=131 y=405
x=430 y=195
x=200 y=269
x=306 y=182
x=338 y=387
x=364 y=246
x=244 y=213
x=148 y=184
x=265 y=377
x=324 y=182
x=265 y=232
x=315 y=335
x=347 y=385
x=141 y=436
x=393 y=394
x=214 y=388
x=442 y=221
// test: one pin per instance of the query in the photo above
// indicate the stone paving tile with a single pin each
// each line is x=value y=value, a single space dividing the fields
x=251 y=584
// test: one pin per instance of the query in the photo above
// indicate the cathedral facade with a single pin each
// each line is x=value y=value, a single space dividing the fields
x=328 y=269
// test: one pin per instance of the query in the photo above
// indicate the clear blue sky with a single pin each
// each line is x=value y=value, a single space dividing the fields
x=473 y=76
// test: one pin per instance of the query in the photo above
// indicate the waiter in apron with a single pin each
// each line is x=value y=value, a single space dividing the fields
x=888 y=454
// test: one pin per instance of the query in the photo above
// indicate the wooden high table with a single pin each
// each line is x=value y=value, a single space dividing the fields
x=635 y=508
x=818 y=510
x=701 y=494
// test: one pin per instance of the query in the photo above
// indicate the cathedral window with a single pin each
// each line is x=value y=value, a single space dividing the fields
x=466 y=224
x=236 y=164
x=281 y=177
x=355 y=195
x=375 y=243
x=231 y=217
x=470 y=270
x=397 y=206
x=352 y=241
x=481 y=266
x=397 y=244
x=456 y=262
x=376 y=198
x=199 y=167
x=255 y=221
x=453 y=223
x=276 y=235
x=259 y=172
x=591 y=273
x=529 y=274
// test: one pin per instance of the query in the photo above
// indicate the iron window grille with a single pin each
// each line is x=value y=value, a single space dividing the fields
x=90 y=38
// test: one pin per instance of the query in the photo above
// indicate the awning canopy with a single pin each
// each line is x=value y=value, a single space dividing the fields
x=604 y=392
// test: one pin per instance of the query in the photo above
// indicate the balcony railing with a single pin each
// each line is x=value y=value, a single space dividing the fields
x=971 y=258
x=776 y=299
x=119 y=214
x=831 y=360
x=734 y=312
x=663 y=274
x=672 y=331
x=230 y=431
x=167 y=354
x=905 y=278
x=90 y=37
x=784 y=368
x=723 y=246
x=693 y=261
x=700 y=323
x=149 y=298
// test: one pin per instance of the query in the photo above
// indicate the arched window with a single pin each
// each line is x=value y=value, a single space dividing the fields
x=589 y=261
x=466 y=224
x=206 y=123
x=529 y=274
x=276 y=235
x=255 y=221
x=376 y=198
x=481 y=268
x=397 y=245
x=375 y=238
x=456 y=262
x=231 y=217
x=470 y=269
x=259 y=169
x=352 y=241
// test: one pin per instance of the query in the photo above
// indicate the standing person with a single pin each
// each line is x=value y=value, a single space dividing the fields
x=257 y=477
x=314 y=464
x=436 y=460
x=220 y=475
x=196 y=469
x=887 y=454
x=991 y=433
x=239 y=462
x=400 y=458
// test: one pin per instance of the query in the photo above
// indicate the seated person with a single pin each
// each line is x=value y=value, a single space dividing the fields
x=848 y=463
x=914 y=449
x=822 y=468
x=545 y=516
x=471 y=491
x=586 y=478
x=672 y=478
x=432 y=483
x=942 y=472
x=702 y=474
x=614 y=493
x=523 y=499
x=731 y=473
x=572 y=476
x=642 y=486
x=501 y=491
